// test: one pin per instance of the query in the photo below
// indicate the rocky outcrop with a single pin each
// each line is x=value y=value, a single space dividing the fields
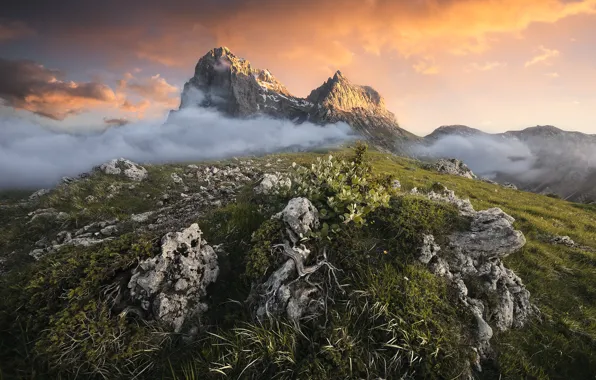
x=122 y=166
x=231 y=85
x=288 y=291
x=212 y=186
x=170 y=287
x=272 y=183
x=453 y=166
x=491 y=235
x=47 y=213
x=38 y=194
x=91 y=234
x=448 y=196
x=471 y=262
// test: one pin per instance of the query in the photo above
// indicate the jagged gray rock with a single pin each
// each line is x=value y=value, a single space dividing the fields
x=453 y=166
x=38 y=253
x=563 y=240
x=429 y=249
x=471 y=262
x=448 y=196
x=300 y=217
x=491 y=236
x=272 y=183
x=287 y=291
x=38 y=194
x=47 y=213
x=171 y=285
x=122 y=166
x=176 y=178
x=89 y=235
x=142 y=217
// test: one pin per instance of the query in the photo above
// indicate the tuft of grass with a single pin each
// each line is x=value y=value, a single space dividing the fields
x=56 y=314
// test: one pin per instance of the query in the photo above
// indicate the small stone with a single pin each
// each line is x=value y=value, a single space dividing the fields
x=428 y=250
x=563 y=240
x=38 y=194
x=109 y=231
x=176 y=178
x=272 y=183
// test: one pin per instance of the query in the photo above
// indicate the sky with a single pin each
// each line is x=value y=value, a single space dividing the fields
x=495 y=65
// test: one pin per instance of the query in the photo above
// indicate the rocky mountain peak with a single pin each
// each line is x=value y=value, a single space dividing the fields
x=232 y=86
x=339 y=93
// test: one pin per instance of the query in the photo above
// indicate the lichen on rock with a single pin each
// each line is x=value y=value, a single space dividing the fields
x=471 y=262
x=170 y=286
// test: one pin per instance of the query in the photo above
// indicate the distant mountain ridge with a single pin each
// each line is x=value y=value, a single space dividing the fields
x=231 y=85
x=564 y=161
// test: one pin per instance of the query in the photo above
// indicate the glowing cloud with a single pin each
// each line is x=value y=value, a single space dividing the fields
x=487 y=66
x=544 y=57
x=426 y=67
x=29 y=86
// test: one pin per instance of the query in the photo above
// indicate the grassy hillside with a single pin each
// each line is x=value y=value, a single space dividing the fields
x=58 y=293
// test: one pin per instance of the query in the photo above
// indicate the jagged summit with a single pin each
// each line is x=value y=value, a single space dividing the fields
x=231 y=85
x=340 y=93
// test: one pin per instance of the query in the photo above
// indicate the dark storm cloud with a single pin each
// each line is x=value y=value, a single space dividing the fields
x=13 y=30
x=30 y=86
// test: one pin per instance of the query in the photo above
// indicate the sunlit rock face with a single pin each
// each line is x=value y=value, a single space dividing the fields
x=231 y=85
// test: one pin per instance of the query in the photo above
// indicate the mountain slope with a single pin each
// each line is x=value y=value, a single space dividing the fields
x=59 y=302
x=231 y=85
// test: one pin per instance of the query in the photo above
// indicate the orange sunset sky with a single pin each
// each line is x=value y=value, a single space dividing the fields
x=491 y=64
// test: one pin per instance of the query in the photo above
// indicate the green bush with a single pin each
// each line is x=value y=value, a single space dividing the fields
x=343 y=191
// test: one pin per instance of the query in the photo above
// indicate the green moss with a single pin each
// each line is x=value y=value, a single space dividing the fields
x=260 y=258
